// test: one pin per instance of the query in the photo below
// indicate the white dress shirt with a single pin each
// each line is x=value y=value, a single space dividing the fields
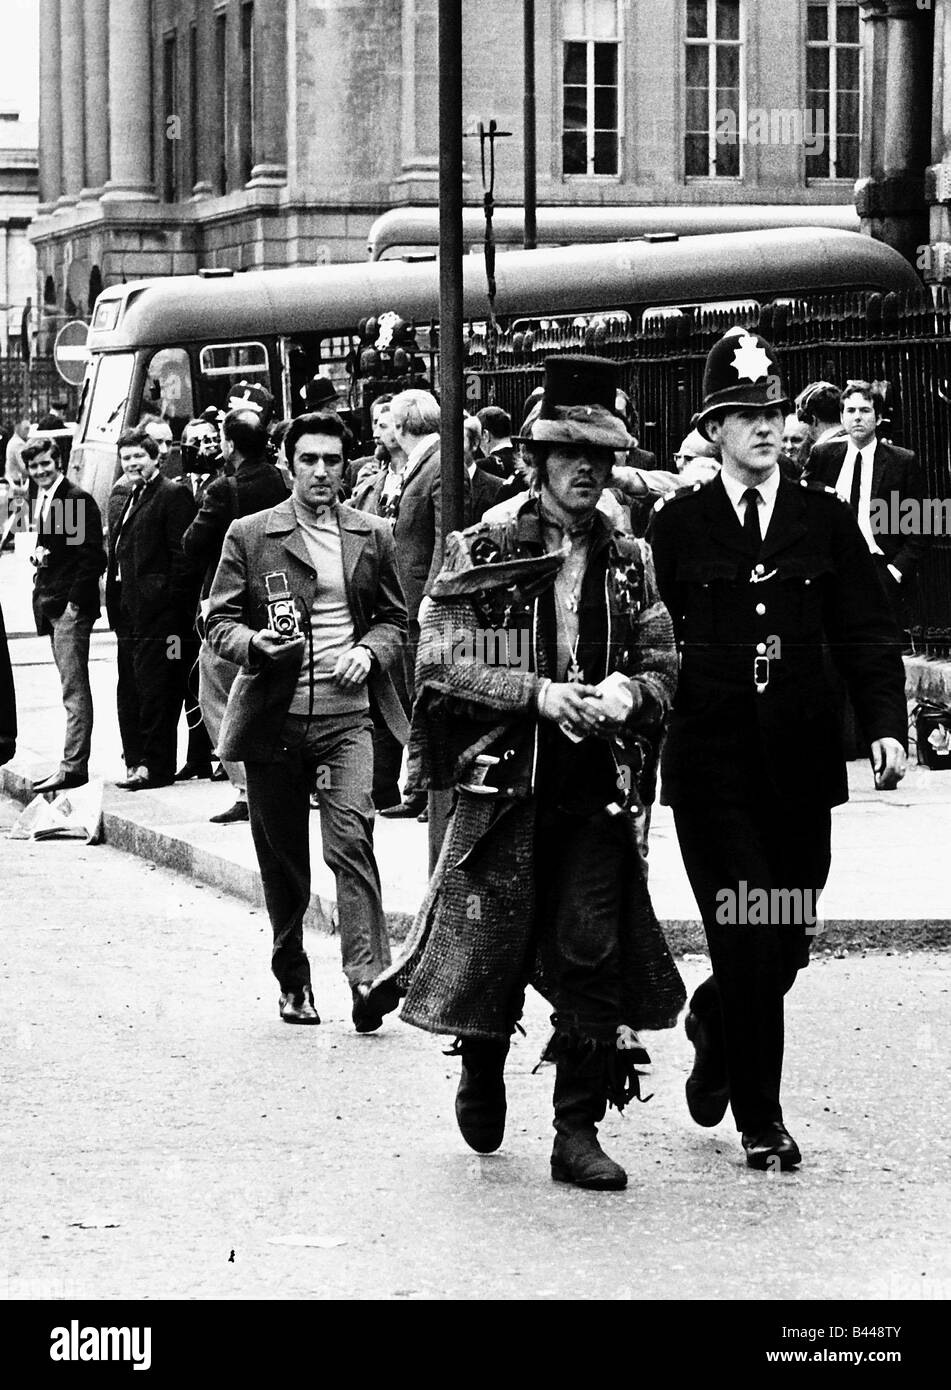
x=44 y=499
x=843 y=487
x=767 y=490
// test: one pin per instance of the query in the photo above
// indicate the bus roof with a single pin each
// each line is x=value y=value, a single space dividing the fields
x=332 y=299
x=403 y=230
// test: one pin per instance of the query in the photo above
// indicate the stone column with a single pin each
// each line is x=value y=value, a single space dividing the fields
x=420 y=159
x=51 y=149
x=269 y=99
x=937 y=260
x=72 y=87
x=891 y=203
x=205 y=173
x=96 y=75
x=130 y=103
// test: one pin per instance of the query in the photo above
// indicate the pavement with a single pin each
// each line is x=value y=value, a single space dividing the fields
x=165 y=1136
x=890 y=882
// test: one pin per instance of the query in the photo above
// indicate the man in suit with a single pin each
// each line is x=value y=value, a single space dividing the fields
x=819 y=407
x=254 y=486
x=8 y=703
x=876 y=478
x=496 y=441
x=417 y=534
x=68 y=559
x=307 y=602
x=482 y=488
x=762 y=578
x=150 y=600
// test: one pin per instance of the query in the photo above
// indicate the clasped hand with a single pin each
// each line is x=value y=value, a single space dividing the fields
x=580 y=709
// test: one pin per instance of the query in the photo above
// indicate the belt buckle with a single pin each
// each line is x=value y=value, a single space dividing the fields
x=760 y=673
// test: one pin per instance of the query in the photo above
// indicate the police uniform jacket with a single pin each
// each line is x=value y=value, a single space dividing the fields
x=756 y=705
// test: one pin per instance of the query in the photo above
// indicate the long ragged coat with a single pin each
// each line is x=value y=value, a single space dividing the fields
x=482 y=654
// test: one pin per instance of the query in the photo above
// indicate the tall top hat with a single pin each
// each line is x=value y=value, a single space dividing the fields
x=742 y=370
x=577 y=405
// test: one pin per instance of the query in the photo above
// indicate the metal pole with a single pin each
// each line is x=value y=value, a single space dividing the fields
x=451 y=385
x=530 y=240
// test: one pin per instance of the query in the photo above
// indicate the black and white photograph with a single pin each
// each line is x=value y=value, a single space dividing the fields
x=475 y=672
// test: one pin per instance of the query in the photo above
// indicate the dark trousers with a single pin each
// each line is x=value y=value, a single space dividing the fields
x=70 y=641
x=580 y=868
x=729 y=851
x=335 y=754
x=387 y=749
x=149 y=694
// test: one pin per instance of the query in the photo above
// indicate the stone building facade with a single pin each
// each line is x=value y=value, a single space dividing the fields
x=18 y=200
x=254 y=133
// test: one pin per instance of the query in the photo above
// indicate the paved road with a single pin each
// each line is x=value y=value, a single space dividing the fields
x=158 y=1116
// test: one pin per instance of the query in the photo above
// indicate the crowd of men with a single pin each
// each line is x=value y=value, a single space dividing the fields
x=294 y=599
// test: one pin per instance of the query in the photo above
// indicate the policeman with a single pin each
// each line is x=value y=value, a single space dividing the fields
x=764 y=579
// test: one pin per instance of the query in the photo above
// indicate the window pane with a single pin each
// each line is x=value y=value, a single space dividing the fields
x=168 y=386
x=697 y=107
x=696 y=19
x=817 y=22
x=847 y=68
x=576 y=108
x=576 y=63
x=603 y=18
x=728 y=160
x=728 y=67
x=847 y=113
x=697 y=67
x=817 y=69
x=574 y=17
x=728 y=19
x=605 y=108
x=605 y=152
x=847 y=24
x=847 y=157
x=695 y=156
x=605 y=64
x=574 y=159
x=110 y=396
x=817 y=165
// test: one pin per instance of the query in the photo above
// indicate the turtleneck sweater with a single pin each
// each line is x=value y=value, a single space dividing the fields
x=331 y=622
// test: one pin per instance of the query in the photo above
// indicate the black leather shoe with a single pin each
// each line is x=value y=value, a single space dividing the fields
x=138 y=783
x=198 y=771
x=60 y=781
x=369 y=1005
x=299 y=1007
x=239 y=811
x=707 y=1089
x=480 y=1099
x=411 y=806
x=580 y=1159
x=767 y=1145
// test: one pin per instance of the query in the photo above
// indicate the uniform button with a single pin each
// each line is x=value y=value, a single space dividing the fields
x=808 y=581
x=761 y=609
x=759 y=569
x=761 y=649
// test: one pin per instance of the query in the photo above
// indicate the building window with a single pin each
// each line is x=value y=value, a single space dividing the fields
x=221 y=105
x=591 y=94
x=171 y=135
x=833 y=89
x=246 y=122
x=714 y=89
x=193 y=104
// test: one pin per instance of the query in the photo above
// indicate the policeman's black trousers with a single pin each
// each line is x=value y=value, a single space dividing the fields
x=729 y=850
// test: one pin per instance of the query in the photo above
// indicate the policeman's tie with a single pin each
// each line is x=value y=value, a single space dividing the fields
x=751 y=528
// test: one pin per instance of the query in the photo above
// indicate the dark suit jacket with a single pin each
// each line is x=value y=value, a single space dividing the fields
x=894 y=471
x=819 y=594
x=72 y=533
x=253 y=488
x=8 y=704
x=418 y=530
x=481 y=492
x=158 y=583
x=262 y=694
x=500 y=463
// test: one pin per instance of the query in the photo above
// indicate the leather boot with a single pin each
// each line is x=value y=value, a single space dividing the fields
x=480 y=1099
x=580 y=1101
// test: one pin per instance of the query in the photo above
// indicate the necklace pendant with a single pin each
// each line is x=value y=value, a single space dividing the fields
x=574 y=674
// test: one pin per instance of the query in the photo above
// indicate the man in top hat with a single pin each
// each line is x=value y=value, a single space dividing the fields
x=542 y=731
x=762 y=577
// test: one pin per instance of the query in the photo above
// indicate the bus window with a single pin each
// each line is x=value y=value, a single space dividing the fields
x=110 y=393
x=168 y=388
x=222 y=364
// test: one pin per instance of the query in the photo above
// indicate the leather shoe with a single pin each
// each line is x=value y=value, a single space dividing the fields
x=60 y=781
x=580 y=1159
x=708 y=1087
x=480 y=1099
x=409 y=806
x=140 y=783
x=239 y=811
x=770 y=1143
x=299 y=1007
x=198 y=771
x=369 y=1005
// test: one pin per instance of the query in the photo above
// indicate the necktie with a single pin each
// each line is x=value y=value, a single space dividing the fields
x=856 y=488
x=751 y=530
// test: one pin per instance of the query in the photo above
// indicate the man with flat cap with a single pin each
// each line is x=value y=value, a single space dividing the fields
x=764 y=578
x=543 y=732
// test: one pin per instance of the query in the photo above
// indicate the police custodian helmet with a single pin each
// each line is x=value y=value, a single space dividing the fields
x=742 y=369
